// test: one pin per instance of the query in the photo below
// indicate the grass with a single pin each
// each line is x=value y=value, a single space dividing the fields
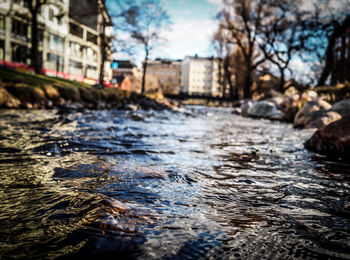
x=36 y=80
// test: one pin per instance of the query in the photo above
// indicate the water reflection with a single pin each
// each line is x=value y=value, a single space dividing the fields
x=145 y=184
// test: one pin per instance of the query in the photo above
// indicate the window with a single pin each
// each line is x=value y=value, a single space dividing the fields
x=19 y=28
x=91 y=54
x=51 y=14
x=75 y=30
x=91 y=37
x=20 y=53
x=75 y=49
x=56 y=42
x=74 y=64
x=55 y=62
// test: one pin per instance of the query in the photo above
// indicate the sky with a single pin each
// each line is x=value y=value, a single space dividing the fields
x=192 y=26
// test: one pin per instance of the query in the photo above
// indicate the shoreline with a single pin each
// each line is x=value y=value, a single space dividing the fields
x=26 y=91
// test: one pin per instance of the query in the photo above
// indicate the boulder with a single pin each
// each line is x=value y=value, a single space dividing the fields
x=291 y=91
x=302 y=118
x=290 y=106
x=27 y=94
x=51 y=93
x=7 y=100
x=309 y=95
x=342 y=107
x=246 y=107
x=321 y=118
x=265 y=109
x=332 y=140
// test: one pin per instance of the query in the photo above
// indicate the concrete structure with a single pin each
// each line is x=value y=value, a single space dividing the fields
x=168 y=74
x=69 y=38
x=200 y=76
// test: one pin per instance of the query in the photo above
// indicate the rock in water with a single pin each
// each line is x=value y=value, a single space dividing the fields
x=266 y=109
x=332 y=140
x=302 y=118
x=342 y=107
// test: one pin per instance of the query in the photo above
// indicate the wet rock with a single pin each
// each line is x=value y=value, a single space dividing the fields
x=291 y=91
x=69 y=93
x=246 y=107
x=332 y=140
x=236 y=111
x=304 y=116
x=27 y=94
x=342 y=107
x=273 y=94
x=308 y=96
x=290 y=107
x=51 y=93
x=7 y=100
x=322 y=118
x=264 y=109
x=131 y=107
x=71 y=107
x=101 y=104
x=89 y=95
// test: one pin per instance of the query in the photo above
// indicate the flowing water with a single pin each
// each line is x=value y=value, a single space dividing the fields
x=201 y=183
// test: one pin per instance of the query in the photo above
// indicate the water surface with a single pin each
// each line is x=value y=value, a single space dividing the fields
x=201 y=183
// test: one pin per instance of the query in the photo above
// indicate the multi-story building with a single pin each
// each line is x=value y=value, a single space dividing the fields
x=70 y=38
x=168 y=74
x=200 y=76
x=123 y=71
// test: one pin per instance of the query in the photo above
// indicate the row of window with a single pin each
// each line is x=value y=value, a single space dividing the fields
x=56 y=62
x=163 y=72
x=170 y=80
x=76 y=30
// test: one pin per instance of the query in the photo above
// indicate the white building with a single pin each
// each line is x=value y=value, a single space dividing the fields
x=200 y=76
x=69 y=38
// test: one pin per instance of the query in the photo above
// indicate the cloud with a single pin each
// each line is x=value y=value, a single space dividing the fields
x=188 y=37
x=215 y=2
x=218 y=3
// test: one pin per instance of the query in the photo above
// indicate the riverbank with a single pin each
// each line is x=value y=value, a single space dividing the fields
x=28 y=91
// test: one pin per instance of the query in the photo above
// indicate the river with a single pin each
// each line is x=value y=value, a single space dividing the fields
x=200 y=183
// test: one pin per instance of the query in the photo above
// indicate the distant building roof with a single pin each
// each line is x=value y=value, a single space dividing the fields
x=196 y=57
x=125 y=64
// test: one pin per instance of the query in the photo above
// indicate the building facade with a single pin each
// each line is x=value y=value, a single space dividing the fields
x=200 y=76
x=69 y=38
x=168 y=74
x=123 y=71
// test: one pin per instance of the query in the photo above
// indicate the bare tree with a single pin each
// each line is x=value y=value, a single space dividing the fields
x=144 y=23
x=243 y=19
x=326 y=20
x=282 y=35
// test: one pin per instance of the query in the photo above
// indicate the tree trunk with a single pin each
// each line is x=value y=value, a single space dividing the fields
x=143 y=89
x=282 y=80
x=328 y=68
x=103 y=55
x=247 y=83
x=35 y=58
